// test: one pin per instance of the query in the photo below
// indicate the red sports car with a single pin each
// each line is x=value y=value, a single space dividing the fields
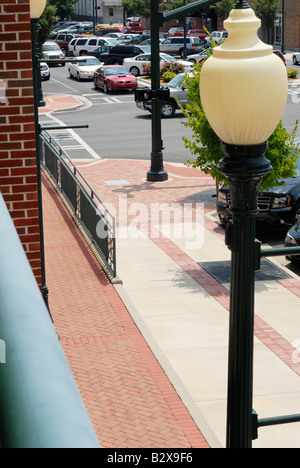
x=114 y=77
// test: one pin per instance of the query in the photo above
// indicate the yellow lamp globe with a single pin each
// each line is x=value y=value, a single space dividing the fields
x=244 y=85
x=37 y=8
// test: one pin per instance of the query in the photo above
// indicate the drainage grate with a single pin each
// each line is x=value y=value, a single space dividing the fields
x=221 y=271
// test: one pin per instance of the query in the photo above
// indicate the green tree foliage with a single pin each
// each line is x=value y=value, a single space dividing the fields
x=64 y=8
x=266 y=10
x=223 y=8
x=47 y=22
x=137 y=7
x=205 y=144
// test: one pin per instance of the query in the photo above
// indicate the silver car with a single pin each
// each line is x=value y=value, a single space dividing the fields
x=178 y=94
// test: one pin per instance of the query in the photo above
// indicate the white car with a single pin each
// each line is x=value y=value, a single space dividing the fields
x=217 y=36
x=84 y=70
x=87 y=44
x=52 y=51
x=296 y=58
x=197 y=58
x=45 y=71
x=136 y=65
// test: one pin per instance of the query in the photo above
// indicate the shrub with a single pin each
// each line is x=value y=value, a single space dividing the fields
x=147 y=68
x=205 y=144
x=168 y=76
x=292 y=72
x=174 y=67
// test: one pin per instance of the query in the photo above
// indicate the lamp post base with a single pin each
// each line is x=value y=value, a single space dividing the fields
x=157 y=172
x=157 y=176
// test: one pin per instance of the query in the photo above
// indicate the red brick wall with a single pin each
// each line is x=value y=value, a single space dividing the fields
x=18 y=172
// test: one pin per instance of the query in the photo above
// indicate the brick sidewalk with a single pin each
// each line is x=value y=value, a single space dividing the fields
x=129 y=398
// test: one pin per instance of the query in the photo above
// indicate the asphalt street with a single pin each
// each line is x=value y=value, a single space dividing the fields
x=117 y=128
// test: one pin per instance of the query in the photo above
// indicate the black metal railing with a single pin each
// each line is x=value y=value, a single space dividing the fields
x=86 y=205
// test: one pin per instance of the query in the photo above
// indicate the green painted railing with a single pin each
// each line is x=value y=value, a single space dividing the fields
x=40 y=405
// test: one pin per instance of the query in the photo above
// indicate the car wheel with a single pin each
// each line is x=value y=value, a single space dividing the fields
x=70 y=74
x=78 y=77
x=135 y=71
x=95 y=84
x=105 y=88
x=47 y=78
x=82 y=53
x=295 y=61
x=168 y=110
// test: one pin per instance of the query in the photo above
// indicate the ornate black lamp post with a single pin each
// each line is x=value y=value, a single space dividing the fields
x=243 y=107
x=157 y=172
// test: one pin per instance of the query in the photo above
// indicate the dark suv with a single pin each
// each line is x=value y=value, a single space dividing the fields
x=117 y=54
x=280 y=205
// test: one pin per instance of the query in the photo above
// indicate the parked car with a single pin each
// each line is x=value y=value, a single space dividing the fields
x=197 y=58
x=100 y=50
x=175 y=45
x=138 y=38
x=178 y=94
x=280 y=55
x=197 y=33
x=102 y=31
x=84 y=70
x=52 y=51
x=114 y=78
x=296 y=58
x=217 y=36
x=85 y=45
x=61 y=26
x=126 y=39
x=115 y=35
x=280 y=205
x=117 y=54
x=132 y=26
x=173 y=32
x=63 y=40
x=137 y=65
x=293 y=240
x=45 y=71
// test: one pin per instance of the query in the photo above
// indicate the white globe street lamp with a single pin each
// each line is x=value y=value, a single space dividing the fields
x=243 y=89
x=37 y=8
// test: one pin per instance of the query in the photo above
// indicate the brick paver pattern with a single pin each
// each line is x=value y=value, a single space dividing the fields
x=129 y=398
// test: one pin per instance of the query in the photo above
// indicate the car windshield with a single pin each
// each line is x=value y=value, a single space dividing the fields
x=167 y=57
x=48 y=47
x=89 y=62
x=116 y=71
x=176 y=82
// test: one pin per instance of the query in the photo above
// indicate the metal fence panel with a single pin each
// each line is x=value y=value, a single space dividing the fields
x=97 y=220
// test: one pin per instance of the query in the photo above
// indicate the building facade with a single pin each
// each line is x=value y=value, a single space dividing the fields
x=105 y=11
x=18 y=167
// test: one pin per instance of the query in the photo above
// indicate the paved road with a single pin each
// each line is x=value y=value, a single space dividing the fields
x=117 y=128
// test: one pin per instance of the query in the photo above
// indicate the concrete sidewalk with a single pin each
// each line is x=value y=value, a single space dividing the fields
x=176 y=289
x=130 y=400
